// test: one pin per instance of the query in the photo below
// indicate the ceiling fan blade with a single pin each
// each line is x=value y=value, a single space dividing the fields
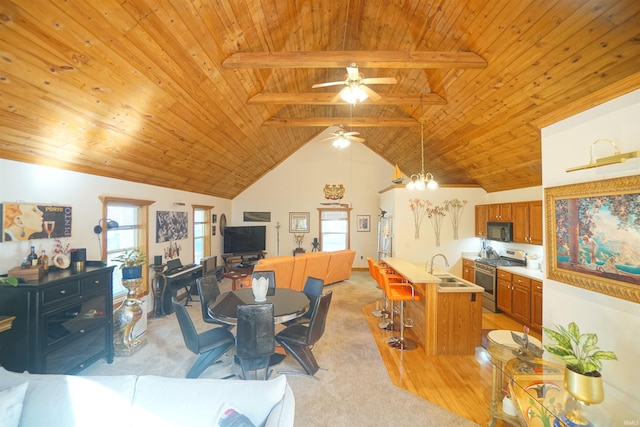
x=353 y=73
x=327 y=84
x=380 y=81
x=354 y=138
x=374 y=96
x=351 y=133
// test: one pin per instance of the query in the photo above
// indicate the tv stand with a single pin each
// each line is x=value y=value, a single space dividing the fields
x=241 y=260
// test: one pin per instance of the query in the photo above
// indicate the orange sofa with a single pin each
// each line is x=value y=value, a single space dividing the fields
x=292 y=271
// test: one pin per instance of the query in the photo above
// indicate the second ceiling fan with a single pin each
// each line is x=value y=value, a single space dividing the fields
x=342 y=139
x=356 y=89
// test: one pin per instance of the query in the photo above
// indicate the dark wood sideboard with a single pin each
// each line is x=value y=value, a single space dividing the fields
x=63 y=323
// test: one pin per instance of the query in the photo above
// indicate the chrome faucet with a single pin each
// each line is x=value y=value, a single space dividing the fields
x=434 y=257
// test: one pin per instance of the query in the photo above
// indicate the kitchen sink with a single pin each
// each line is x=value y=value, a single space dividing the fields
x=452 y=285
x=449 y=281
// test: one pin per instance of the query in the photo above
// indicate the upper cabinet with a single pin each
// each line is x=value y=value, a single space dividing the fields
x=500 y=212
x=482 y=216
x=527 y=222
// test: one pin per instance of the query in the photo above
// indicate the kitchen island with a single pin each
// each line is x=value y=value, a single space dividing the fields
x=447 y=319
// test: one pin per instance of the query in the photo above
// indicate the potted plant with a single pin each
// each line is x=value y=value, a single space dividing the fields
x=583 y=360
x=131 y=263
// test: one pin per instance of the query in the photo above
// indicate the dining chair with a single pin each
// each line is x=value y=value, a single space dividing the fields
x=312 y=289
x=209 y=290
x=209 y=345
x=298 y=340
x=255 y=340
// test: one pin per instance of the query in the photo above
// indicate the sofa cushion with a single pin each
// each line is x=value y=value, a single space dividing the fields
x=340 y=263
x=163 y=401
x=73 y=401
x=281 y=265
x=317 y=263
x=11 y=400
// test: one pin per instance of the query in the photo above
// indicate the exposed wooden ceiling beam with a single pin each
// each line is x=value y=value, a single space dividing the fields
x=325 y=98
x=364 y=59
x=376 y=122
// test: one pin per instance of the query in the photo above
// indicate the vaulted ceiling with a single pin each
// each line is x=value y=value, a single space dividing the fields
x=209 y=95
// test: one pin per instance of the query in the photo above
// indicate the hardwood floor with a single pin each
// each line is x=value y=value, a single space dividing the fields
x=460 y=384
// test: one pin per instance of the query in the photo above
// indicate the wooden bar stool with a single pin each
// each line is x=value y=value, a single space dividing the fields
x=400 y=292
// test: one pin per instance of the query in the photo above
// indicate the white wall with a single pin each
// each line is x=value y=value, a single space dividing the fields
x=45 y=185
x=617 y=322
x=397 y=203
x=296 y=185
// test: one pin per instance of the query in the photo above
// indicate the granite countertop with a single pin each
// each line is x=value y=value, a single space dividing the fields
x=526 y=272
x=521 y=271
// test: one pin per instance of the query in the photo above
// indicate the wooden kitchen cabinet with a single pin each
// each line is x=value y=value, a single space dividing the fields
x=468 y=270
x=482 y=216
x=527 y=222
x=500 y=212
x=536 y=304
x=514 y=296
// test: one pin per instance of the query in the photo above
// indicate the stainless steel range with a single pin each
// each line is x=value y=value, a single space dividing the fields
x=485 y=274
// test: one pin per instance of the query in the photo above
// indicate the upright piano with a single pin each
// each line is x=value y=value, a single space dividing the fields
x=173 y=277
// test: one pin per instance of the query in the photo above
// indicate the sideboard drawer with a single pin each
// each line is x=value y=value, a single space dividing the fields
x=96 y=283
x=61 y=292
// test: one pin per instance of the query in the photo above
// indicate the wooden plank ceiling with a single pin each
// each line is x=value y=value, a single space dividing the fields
x=208 y=96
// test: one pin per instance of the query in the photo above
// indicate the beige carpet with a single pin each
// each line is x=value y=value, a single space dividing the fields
x=353 y=387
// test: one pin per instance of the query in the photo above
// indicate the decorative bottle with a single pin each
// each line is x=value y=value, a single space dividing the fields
x=44 y=260
x=32 y=258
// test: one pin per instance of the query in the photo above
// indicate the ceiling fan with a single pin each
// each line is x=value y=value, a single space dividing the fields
x=342 y=139
x=356 y=89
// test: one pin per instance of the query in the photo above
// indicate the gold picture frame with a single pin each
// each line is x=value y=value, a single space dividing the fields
x=593 y=236
x=299 y=222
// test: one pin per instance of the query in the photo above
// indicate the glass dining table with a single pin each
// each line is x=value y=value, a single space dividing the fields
x=288 y=304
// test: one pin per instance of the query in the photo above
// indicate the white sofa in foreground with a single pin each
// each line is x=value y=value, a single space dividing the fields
x=130 y=400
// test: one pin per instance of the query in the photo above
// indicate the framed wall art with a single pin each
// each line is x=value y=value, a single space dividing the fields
x=298 y=222
x=256 y=216
x=593 y=236
x=171 y=225
x=28 y=221
x=364 y=222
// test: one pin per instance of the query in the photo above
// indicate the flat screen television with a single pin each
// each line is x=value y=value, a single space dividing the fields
x=244 y=239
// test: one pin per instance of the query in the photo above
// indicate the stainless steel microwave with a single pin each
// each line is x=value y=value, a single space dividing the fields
x=500 y=231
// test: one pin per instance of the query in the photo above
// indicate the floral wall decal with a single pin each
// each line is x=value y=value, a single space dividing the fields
x=419 y=208
x=455 y=208
x=436 y=214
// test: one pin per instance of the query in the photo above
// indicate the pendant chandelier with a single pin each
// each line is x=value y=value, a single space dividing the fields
x=422 y=180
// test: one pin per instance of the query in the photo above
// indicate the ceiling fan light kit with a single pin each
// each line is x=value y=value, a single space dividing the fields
x=353 y=94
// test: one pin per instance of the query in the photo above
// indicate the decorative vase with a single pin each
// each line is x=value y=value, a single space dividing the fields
x=259 y=287
x=125 y=318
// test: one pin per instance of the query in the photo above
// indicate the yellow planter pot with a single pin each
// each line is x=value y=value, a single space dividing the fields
x=585 y=388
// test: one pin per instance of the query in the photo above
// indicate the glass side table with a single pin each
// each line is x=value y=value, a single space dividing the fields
x=501 y=349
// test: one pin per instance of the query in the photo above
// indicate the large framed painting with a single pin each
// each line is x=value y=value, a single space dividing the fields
x=171 y=225
x=28 y=221
x=593 y=236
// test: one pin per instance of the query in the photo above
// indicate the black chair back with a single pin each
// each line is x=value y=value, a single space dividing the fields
x=271 y=277
x=209 y=291
x=319 y=318
x=189 y=332
x=255 y=333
